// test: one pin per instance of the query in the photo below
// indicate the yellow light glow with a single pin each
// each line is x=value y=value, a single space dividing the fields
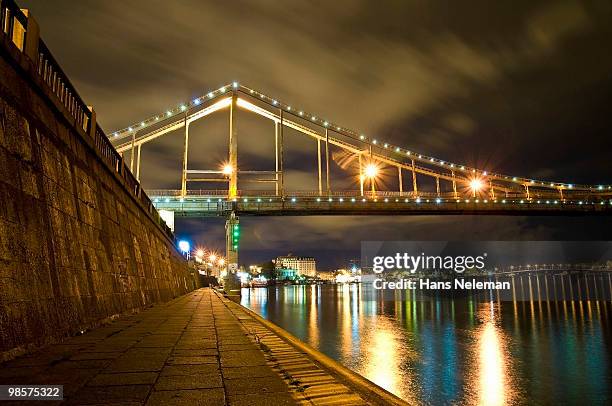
x=221 y=261
x=212 y=257
x=227 y=169
x=371 y=171
x=476 y=184
x=200 y=253
x=493 y=389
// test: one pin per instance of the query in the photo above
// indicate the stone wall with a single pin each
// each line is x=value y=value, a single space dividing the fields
x=76 y=246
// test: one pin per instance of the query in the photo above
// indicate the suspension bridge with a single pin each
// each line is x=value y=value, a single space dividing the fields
x=435 y=186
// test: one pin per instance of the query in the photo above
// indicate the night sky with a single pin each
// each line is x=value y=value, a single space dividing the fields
x=523 y=88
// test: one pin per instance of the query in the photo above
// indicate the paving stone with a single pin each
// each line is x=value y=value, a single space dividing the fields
x=128 y=378
x=261 y=386
x=180 y=382
x=208 y=397
x=106 y=394
x=270 y=399
x=200 y=369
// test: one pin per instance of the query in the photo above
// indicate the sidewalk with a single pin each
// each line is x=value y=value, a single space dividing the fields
x=197 y=349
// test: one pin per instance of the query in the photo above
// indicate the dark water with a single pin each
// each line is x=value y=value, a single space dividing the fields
x=550 y=343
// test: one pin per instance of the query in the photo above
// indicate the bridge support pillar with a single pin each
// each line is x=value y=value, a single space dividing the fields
x=400 y=181
x=138 y=163
x=327 y=162
x=454 y=185
x=361 y=176
x=185 y=155
x=233 y=152
x=414 y=180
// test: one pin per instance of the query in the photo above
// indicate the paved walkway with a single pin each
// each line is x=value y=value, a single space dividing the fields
x=197 y=349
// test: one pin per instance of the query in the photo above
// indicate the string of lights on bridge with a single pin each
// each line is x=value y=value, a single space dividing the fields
x=316 y=119
x=417 y=200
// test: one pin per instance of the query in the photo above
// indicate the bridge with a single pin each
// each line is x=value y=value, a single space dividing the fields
x=436 y=186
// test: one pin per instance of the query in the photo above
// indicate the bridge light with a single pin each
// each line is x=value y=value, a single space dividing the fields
x=438 y=200
x=196 y=101
x=318 y=199
x=371 y=171
x=431 y=159
x=484 y=173
x=386 y=145
x=130 y=129
x=476 y=185
x=600 y=187
x=397 y=149
x=325 y=123
x=288 y=108
x=462 y=168
x=274 y=102
x=183 y=108
x=374 y=142
x=418 y=200
x=168 y=113
x=211 y=95
x=341 y=200
x=222 y=89
x=142 y=124
x=227 y=169
x=293 y=200
x=313 y=118
x=301 y=113
x=115 y=134
x=235 y=85
x=514 y=178
x=361 y=137
x=570 y=186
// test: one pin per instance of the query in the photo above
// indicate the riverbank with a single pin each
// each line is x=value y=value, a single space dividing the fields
x=200 y=348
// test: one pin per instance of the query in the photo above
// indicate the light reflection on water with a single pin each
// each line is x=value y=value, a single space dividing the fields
x=549 y=343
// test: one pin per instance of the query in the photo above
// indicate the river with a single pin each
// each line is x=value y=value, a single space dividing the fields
x=550 y=343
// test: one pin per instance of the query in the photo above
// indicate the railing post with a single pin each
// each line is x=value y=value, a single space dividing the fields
x=92 y=123
x=32 y=35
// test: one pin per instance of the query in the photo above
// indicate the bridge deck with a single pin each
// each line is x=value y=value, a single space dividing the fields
x=197 y=349
x=300 y=206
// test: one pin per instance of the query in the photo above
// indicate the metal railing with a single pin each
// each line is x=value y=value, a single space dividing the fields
x=16 y=26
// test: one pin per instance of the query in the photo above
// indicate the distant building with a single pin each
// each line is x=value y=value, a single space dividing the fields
x=284 y=274
x=326 y=275
x=305 y=266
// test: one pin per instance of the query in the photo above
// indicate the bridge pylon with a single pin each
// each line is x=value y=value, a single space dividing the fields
x=231 y=282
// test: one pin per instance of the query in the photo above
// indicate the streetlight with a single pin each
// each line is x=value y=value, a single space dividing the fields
x=184 y=247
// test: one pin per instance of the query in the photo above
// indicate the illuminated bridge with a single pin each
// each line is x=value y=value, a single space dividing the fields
x=425 y=184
